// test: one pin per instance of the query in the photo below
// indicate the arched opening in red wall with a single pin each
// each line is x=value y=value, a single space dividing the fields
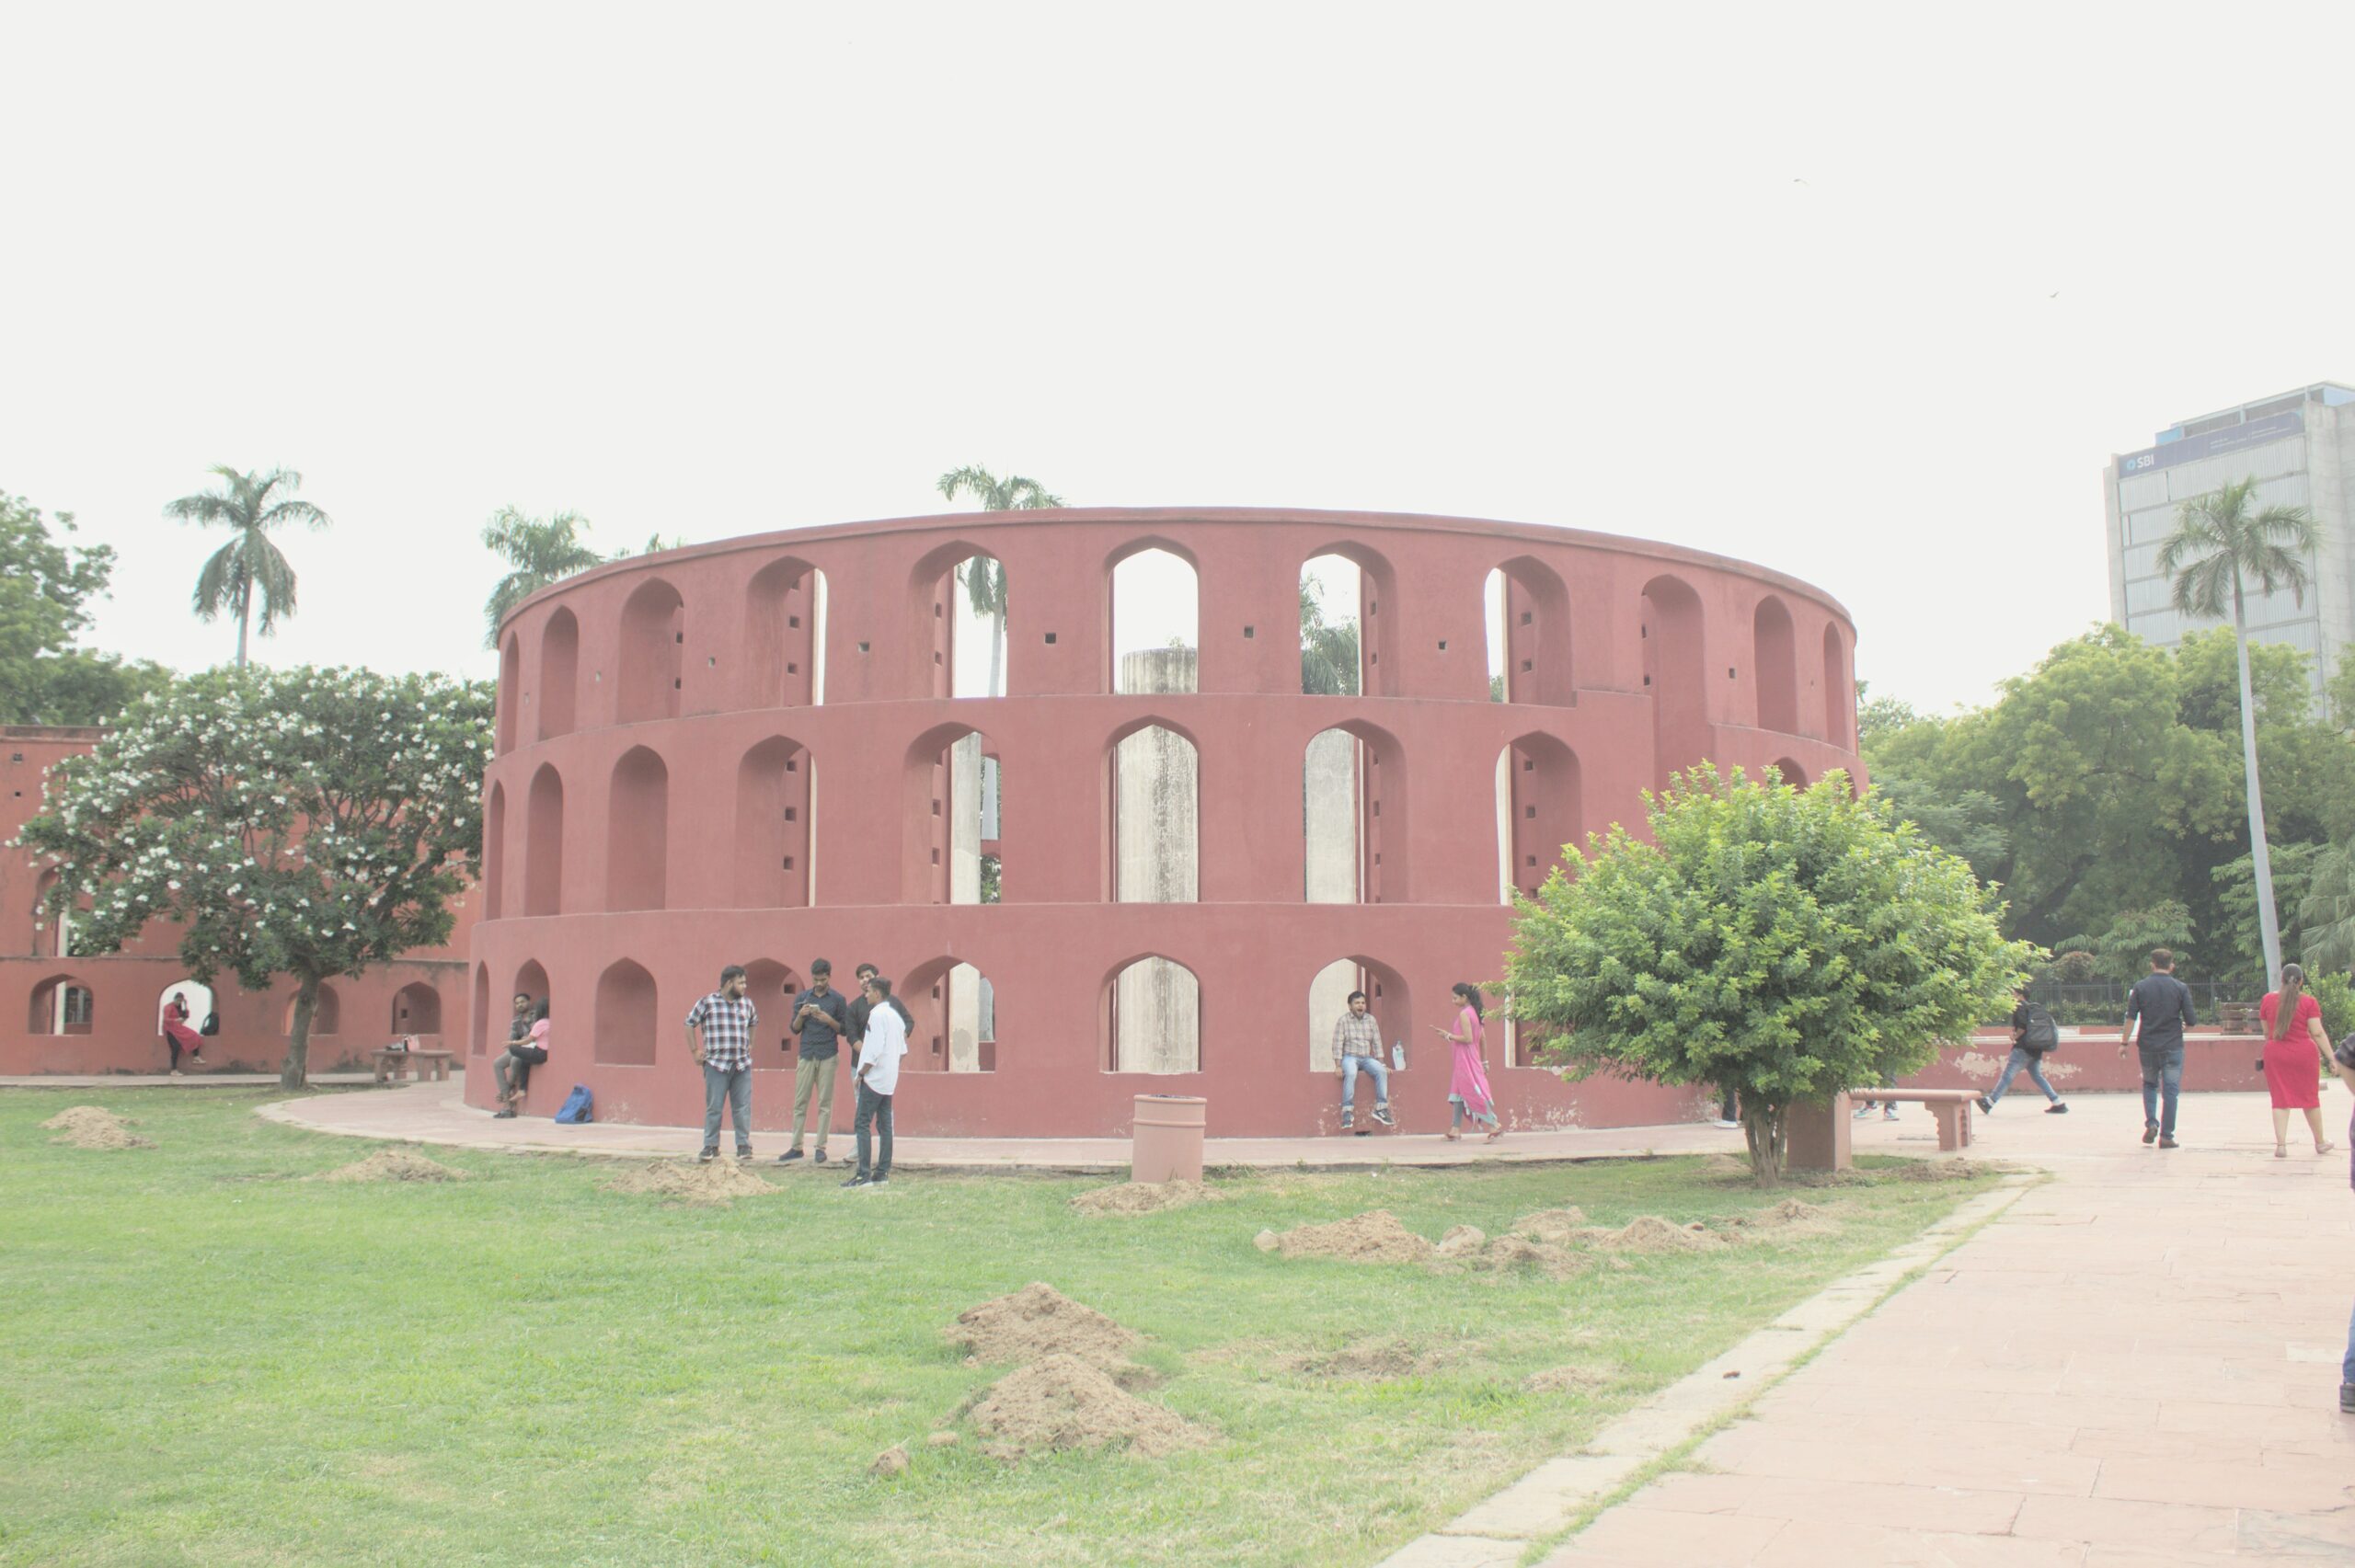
x=511 y=693
x=417 y=1009
x=1353 y=790
x=1332 y=629
x=771 y=987
x=326 y=1012
x=625 y=1020
x=1839 y=693
x=543 y=842
x=1150 y=1015
x=956 y=1012
x=1154 y=609
x=941 y=818
x=1793 y=774
x=1388 y=1001
x=494 y=853
x=530 y=980
x=52 y=929
x=637 y=830
x=1541 y=812
x=652 y=653
x=1153 y=815
x=776 y=789
x=1375 y=602
x=1528 y=620
x=478 y=1034
x=559 y=690
x=784 y=635
x=1775 y=660
x=63 y=1004
x=960 y=594
x=1675 y=670
x=193 y=994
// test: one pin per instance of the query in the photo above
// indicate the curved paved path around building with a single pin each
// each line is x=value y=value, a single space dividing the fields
x=2136 y=1365
x=436 y=1113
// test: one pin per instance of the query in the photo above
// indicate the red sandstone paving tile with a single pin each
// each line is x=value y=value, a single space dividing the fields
x=1992 y=1425
x=2311 y=1420
x=2286 y=1484
x=2043 y=1407
x=1687 y=1491
x=2164 y=1557
x=1814 y=1545
x=1950 y=1509
x=2119 y=1443
x=2112 y=1523
x=1761 y=1452
x=1677 y=1539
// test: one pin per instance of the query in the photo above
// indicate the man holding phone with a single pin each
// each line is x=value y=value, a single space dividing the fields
x=821 y=1018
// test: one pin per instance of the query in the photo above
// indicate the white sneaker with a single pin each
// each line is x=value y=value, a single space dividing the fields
x=1726 y=1125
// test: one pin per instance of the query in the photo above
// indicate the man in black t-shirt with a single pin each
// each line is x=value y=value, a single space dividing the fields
x=2163 y=1004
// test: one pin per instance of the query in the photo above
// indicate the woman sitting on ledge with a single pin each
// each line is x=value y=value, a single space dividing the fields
x=513 y=1068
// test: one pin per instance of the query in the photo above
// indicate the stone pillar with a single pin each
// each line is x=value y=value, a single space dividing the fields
x=1330 y=820
x=1157 y=1018
x=964 y=1019
x=964 y=807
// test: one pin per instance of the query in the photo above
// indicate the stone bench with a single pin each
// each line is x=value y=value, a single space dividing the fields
x=397 y=1064
x=1951 y=1106
x=1818 y=1134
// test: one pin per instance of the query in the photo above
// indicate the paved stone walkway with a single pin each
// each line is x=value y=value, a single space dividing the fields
x=438 y=1114
x=200 y=1078
x=2136 y=1365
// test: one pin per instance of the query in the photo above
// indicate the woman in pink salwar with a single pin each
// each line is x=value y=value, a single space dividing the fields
x=1467 y=1092
x=178 y=1036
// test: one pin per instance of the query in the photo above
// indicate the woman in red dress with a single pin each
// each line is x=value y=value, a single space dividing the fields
x=178 y=1036
x=2296 y=1051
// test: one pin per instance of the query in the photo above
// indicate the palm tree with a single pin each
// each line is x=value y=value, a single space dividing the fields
x=985 y=583
x=541 y=553
x=2219 y=545
x=249 y=566
x=1328 y=654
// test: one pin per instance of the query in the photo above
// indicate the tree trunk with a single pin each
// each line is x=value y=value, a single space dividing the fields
x=1763 y=1128
x=2269 y=926
x=244 y=614
x=295 y=1074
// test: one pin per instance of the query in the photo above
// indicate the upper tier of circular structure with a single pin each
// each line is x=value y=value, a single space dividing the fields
x=705 y=756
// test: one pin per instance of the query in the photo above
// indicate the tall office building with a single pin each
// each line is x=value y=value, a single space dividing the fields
x=2300 y=447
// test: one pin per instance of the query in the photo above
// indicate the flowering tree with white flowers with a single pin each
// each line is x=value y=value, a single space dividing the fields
x=301 y=822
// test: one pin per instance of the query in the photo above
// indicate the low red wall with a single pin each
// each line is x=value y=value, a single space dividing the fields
x=2091 y=1064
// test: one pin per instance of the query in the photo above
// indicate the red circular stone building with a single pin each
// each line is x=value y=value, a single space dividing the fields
x=748 y=753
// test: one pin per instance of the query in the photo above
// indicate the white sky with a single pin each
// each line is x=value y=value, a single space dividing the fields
x=1770 y=280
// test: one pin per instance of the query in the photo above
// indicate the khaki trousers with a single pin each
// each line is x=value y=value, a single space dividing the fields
x=814 y=1078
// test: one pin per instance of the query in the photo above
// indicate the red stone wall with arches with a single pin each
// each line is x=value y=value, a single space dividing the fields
x=748 y=753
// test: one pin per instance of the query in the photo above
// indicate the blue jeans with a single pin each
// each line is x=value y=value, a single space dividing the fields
x=874 y=1112
x=1350 y=1065
x=2162 y=1076
x=733 y=1087
x=2032 y=1063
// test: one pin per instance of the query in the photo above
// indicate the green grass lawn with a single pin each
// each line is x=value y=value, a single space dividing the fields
x=203 y=1359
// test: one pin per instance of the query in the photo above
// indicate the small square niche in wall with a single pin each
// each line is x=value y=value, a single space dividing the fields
x=1050 y=639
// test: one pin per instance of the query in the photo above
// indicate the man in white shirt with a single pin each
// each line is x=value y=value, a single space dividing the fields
x=879 y=1051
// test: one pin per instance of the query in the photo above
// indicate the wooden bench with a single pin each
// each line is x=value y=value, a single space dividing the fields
x=1951 y=1106
x=397 y=1064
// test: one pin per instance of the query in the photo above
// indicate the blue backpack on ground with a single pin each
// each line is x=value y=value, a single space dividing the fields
x=577 y=1106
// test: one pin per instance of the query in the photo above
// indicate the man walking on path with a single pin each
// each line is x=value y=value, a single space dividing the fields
x=822 y=1017
x=2343 y=1061
x=2164 y=1005
x=724 y=1051
x=1356 y=1047
x=2033 y=1034
x=879 y=1080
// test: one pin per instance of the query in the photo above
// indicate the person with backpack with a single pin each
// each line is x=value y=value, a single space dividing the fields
x=2033 y=1036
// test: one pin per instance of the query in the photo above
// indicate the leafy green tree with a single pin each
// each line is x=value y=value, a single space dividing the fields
x=250 y=566
x=2235 y=880
x=538 y=552
x=1328 y=651
x=2220 y=542
x=1788 y=943
x=984 y=578
x=47 y=587
x=2122 y=953
x=304 y=822
x=2327 y=913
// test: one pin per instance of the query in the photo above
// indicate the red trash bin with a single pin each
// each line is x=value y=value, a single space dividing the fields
x=1166 y=1138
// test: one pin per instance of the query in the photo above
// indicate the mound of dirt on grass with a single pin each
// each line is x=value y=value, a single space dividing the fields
x=1039 y=1322
x=1463 y=1240
x=1379 y=1360
x=1375 y=1236
x=393 y=1165
x=1956 y=1170
x=1552 y=1224
x=87 y=1126
x=1064 y=1401
x=1791 y=1217
x=1143 y=1197
x=1567 y=1380
x=1650 y=1233
x=721 y=1181
x=1518 y=1251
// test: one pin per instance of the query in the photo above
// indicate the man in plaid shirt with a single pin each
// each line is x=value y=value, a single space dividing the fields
x=1357 y=1046
x=724 y=1053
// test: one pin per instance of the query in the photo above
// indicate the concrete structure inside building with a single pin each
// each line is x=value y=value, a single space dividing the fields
x=1142 y=868
x=2300 y=447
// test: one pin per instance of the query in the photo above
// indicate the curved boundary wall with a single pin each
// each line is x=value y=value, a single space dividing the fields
x=746 y=752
